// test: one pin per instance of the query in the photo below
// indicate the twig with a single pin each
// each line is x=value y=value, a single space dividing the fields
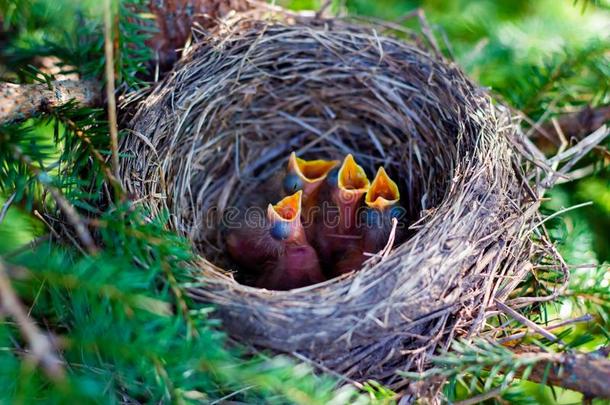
x=323 y=8
x=385 y=252
x=518 y=276
x=21 y=101
x=573 y=125
x=574 y=154
x=6 y=206
x=425 y=28
x=558 y=213
x=562 y=137
x=112 y=117
x=118 y=187
x=518 y=317
x=79 y=226
x=41 y=348
x=584 y=318
x=583 y=147
x=232 y=394
x=587 y=373
x=563 y=266
x=543 y=117
x=577 y=174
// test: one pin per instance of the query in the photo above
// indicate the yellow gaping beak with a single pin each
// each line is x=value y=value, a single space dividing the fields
x=285 y=219
x=383 y=192
x=287 y=210
x=310 y=171
x=352 y=178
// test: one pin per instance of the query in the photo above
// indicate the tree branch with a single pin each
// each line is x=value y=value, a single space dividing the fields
x=21 y=101
x=582 y=372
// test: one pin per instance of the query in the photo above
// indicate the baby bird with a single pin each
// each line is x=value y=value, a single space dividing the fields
x=255 y=241
x=352 y=184
x=307 y=175
x=382 y=206
x=338 y=237
x=296 y=263
x=381 y=200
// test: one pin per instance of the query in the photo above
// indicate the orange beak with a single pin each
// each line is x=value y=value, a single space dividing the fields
x=285 y=219
x=352 y=180
x=311 y=171
x=352 y=184
x=288 y=209
x=306 y=175
x=383 y=192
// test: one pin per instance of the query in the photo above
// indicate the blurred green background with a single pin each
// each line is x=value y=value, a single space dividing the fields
x=544 y=58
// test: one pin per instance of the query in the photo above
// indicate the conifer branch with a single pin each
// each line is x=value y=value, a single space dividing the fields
x=588 y=373
x=497 y=366
x=22 y=101
x=64 y=205
x=80 y=133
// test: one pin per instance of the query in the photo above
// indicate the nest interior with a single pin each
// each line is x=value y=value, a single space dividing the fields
x=223 y=123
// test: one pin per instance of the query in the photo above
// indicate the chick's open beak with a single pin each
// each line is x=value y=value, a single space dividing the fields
x=287 y=209
x=285 y=218
x=383 y=192
x=352 y=180
x=310 y=170
x=306 y=175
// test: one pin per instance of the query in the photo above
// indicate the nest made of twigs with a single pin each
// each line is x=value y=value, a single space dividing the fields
x=227 y=117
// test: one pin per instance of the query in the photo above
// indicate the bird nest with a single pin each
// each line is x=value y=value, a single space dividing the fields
x=223 y=123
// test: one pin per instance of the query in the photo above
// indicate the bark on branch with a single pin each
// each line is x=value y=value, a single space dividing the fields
x=588 y=373
x=21 y=101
